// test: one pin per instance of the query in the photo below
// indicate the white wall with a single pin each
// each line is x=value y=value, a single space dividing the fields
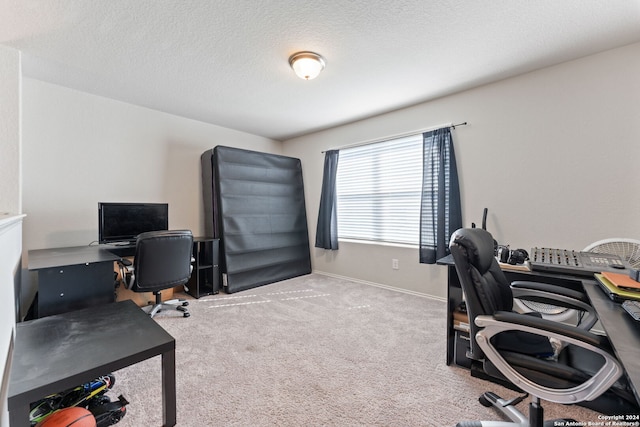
x=10 y=205
x=547 y=152
x=80 y=149
x=10 y=76
x=553 y=154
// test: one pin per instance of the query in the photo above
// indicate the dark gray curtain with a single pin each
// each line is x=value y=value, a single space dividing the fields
x=440 y=211
x=327 y=229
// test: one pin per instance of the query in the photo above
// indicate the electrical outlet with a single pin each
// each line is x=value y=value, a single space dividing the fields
x=394 y=264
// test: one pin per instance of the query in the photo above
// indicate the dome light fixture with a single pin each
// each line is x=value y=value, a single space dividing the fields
x=307 y=65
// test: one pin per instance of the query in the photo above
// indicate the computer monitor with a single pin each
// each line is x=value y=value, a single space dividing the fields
x=122 y=222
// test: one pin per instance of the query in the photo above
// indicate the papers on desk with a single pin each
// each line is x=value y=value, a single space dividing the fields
x=460 y=321
x=615 y=288
x=622 y=281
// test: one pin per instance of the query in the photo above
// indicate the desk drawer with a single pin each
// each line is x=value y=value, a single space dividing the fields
x=72 y=287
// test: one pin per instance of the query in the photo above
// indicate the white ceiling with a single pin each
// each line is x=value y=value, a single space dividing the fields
x=225 y=61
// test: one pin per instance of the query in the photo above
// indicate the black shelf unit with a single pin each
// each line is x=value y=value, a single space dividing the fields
x=205 y=277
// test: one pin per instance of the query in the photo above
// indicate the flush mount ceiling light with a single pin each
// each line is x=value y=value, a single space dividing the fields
x=307 y=65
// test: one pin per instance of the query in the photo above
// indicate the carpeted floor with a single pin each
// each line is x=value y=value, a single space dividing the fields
x=311 y=351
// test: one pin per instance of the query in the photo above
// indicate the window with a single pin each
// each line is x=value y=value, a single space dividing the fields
x=378 y=191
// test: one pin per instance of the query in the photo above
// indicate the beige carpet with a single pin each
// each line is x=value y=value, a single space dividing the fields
x=312 y=351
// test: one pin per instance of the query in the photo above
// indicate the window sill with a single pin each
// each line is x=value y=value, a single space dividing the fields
x=379 y=243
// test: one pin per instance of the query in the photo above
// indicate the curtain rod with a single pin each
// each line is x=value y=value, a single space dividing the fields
x=387 y=138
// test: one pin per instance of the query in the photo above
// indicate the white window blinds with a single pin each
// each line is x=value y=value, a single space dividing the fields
x=378 y=190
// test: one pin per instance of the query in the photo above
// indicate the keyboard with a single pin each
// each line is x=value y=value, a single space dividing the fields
x=633 y=308
x=123 y=251
x=566 y=261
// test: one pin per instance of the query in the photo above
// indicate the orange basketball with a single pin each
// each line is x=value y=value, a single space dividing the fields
x=69 y=417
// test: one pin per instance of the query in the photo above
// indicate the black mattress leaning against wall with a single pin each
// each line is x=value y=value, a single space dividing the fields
x=254 y=203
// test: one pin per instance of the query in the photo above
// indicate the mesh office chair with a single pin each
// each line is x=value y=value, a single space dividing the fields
x=162 y=261
x=515 y=347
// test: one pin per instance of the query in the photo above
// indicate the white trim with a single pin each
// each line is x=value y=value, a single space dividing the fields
x=7 y=220
x=380 y=285
x=379 y=243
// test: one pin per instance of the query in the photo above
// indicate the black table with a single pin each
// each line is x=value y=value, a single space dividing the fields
x=58 y=352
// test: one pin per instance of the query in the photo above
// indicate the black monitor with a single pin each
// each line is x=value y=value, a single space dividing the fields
x=122 y=222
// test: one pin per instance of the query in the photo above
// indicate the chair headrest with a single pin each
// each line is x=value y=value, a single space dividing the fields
x=163 y=233
x=479 y=245
x=162 y=260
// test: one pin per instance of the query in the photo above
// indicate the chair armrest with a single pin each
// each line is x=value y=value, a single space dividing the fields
x=552 y=289
x=556 y=295
x=563 y=330
x=608 y=374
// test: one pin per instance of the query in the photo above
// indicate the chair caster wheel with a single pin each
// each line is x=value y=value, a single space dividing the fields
x=484 y=402
x=181 y=308
x=187 y=314
x=186 y=303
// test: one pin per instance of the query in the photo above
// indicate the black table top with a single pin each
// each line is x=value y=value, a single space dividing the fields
x=514 y=272
x=57 y=352
x=447 y=260
x=59 y=257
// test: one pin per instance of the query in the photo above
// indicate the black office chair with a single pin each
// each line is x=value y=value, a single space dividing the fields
x=162 y=261
x=516 y=348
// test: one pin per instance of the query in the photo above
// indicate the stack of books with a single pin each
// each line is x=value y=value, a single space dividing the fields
x=618 y=286
x=460 y=321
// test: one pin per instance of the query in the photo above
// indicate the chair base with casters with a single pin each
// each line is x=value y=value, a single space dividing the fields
x=173 y=304
x=508 y=410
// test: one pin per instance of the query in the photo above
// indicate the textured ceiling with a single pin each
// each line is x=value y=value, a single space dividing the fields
x=225 y=62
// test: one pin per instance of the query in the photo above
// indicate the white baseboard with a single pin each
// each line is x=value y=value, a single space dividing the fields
x=380 y=285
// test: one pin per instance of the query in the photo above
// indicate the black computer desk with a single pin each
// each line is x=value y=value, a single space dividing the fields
x=76 y=277
x=62 y=351
x=73 y=278
x=622 y=330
